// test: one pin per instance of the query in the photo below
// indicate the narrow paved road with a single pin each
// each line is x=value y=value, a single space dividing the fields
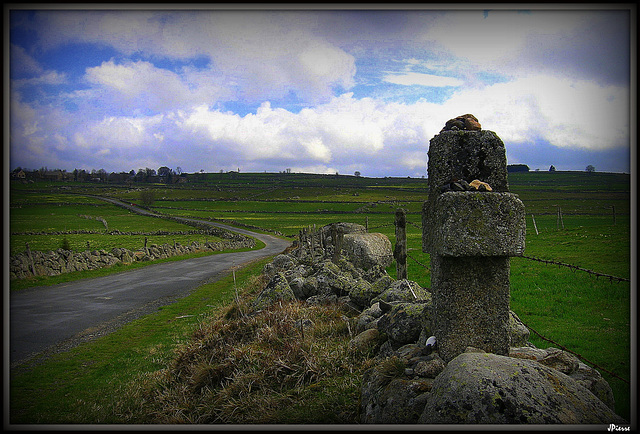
x=63 y=315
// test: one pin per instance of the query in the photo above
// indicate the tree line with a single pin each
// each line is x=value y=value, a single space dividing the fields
x=164 y=175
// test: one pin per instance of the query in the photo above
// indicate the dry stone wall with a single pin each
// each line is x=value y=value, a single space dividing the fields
x=53 y=263
x=411 y=383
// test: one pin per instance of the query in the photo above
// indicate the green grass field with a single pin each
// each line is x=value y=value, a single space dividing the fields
x=588 y=315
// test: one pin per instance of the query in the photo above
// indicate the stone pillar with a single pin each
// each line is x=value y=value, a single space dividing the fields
x=470 y=233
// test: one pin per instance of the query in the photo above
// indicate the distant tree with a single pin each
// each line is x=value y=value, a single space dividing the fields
x=517 y=168
x=164 y=171
x=148 y=173
x=590 y=168
x=357 y=173
x=166 y=174
x=147 y=197
x=141 y=175
x=552 y=168
x=179 y=170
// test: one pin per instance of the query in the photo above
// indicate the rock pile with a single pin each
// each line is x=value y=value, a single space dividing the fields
x=411 y=383
x=466 y=122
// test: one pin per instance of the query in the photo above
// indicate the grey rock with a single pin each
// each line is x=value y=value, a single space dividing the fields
x=430 y=368
x=361 y=293
x=404 y=323
x=332 y=280
x=277 y=289
x=518 y=332
x=373 y=310
x=485 y=388
x=367 y=340
x=592 y=380
x=527 y=352
x=388 y=397
x=472 y=223
x=561 y=361
x=469 y=310
x=403 y=290
x=366 y=250
x=365 y=322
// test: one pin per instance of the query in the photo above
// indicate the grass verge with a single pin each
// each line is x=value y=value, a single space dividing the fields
x=208 y=358
x=94 y=382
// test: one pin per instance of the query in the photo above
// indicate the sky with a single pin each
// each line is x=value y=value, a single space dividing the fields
x=315 y=91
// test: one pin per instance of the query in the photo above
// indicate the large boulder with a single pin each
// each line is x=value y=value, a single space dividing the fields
x=366 y=250
x=281 y=262
x=389 y=397
x=403 y=290
x=518 y=332
x=404 y=323
x=332 y=280
x=341 y=227
x=484 y=388
x=363 y=295
x=277 y=289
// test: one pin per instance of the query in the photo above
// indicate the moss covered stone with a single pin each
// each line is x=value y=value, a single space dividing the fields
x=483 y=388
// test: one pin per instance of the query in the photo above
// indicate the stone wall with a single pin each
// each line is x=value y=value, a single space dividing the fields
x=411 y=382
x=53 y=263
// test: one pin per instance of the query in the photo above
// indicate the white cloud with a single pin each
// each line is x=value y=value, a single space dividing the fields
x=287 y=56
x=22 y=63
x=413 y=78
x=26 y=71
x=258 y=56
x=142 y=85
x=566 y=113
x=124 y=132
x=582 y=44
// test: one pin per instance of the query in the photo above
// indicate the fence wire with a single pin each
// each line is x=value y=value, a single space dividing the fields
x=551 y=262
x=575 y=267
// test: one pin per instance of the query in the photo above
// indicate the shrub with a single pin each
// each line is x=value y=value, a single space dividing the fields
x=65 y=244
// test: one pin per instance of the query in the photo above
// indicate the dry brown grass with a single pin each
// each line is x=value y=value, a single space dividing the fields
x=288 y=363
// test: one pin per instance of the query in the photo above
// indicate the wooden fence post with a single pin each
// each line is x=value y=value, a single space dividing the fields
x=337 y=236
x=613 y=209
x=313 y=243
x=559 y=220
x=400 y=251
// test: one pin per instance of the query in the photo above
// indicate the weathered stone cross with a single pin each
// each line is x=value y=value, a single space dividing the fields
x=470 y=234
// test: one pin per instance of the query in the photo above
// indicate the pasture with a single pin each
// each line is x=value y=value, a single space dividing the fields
x=588 y=315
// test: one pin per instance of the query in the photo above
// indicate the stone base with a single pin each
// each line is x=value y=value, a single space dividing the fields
x=470 y=304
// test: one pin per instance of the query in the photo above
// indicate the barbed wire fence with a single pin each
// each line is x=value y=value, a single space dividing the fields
x=551 y=262
x=308 y=237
